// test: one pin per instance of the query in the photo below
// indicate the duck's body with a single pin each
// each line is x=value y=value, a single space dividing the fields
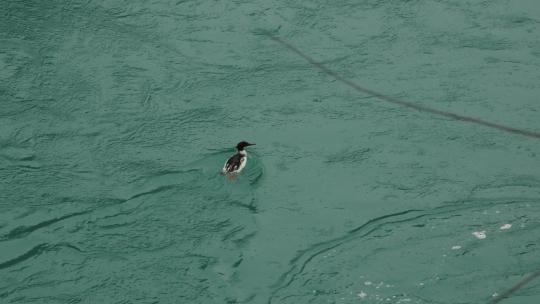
x=236 y=163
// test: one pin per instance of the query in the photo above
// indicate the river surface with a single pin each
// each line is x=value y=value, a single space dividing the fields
x=117 y=116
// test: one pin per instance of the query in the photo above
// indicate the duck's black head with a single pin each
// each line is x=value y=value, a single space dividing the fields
x=241 y=145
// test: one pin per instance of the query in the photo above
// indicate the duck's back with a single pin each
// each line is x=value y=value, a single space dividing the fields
x=235 y=163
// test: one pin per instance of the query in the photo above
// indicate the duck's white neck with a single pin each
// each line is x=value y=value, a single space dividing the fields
x=243 y=152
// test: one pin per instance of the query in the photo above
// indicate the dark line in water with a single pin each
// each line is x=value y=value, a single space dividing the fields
x=152 y=191
x=398 y=101
x=37 y=250
x=516 y=287
x=25 y=230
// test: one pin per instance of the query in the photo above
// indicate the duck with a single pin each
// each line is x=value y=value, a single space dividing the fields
x=236 y=163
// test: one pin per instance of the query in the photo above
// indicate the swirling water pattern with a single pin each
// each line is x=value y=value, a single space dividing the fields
x=117 y=116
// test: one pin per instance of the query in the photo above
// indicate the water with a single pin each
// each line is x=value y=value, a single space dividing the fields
x=117 y=116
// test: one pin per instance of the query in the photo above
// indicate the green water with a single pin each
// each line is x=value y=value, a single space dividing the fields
x=116 y=117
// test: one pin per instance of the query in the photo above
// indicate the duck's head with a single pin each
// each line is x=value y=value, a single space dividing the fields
x=241 y=145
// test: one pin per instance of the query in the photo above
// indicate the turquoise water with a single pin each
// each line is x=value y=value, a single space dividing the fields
x=117 y=116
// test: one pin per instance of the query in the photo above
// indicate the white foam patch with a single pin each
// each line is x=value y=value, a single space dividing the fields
x=457 y=247
x=362 y=294
x=506 y=226
x=480 y=234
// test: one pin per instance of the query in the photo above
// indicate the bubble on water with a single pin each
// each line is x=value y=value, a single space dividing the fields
x=456 y=247
x=361 y=294
x=367 y=283
x=506 y=226
x=480 y=234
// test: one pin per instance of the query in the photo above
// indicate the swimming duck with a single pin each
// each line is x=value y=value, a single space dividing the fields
x=237 y=162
